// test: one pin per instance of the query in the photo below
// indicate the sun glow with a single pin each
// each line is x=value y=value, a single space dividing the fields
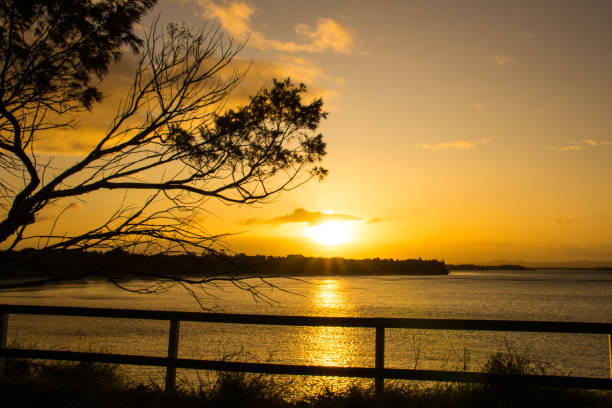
x=331 y=232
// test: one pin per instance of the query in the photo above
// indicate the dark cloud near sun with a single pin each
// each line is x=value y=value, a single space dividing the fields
x=312 y=218
x=300 y=215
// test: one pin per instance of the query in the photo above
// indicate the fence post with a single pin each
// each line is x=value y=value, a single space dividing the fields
x=610 y=352
x=173 y=341
x=379 y=387
x=3 y=335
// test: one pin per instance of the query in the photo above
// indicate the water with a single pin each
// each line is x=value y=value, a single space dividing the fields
x=555 y=295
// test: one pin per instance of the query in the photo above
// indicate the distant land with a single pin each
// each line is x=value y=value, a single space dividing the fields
x=27 y=267
x=120 y=265
x=576 y=264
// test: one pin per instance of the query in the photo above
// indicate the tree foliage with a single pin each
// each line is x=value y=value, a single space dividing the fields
x=51 y=49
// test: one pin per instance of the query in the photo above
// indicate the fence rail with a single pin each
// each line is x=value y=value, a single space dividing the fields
x=379 y=372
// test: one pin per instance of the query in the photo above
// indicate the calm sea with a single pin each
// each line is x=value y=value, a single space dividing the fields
x=559 y=295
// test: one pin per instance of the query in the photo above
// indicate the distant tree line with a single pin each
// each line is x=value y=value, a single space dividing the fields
x=299 y=265
x=34 y=268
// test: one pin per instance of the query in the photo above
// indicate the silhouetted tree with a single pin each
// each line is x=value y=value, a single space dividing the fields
x=167 y=137
x=49 y=51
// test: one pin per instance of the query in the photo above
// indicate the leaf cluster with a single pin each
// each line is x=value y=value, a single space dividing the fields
x=274 y=132
x=52 y=50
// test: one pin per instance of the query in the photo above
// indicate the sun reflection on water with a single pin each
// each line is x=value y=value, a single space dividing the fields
x=331 y=346
x=328 y=297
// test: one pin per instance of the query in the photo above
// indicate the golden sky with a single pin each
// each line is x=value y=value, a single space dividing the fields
x=469 y=131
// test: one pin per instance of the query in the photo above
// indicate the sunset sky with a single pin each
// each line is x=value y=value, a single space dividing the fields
x=468 y=131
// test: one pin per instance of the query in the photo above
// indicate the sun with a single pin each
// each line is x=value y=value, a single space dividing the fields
x=331 y=232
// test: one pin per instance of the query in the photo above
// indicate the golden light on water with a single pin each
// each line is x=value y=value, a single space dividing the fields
x=330 y=346
x=331 y=232
x=328 y=296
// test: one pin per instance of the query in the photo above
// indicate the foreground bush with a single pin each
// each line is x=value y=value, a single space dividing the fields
x=66 y=385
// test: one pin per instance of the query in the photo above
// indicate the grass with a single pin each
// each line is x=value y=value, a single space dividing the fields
x=57 y=384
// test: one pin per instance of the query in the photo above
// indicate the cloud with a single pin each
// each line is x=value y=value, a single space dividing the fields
x=529 y=35
x=575 y=146
x=571 y=147
x=234 y=18
x=501 y=60
x=594 y=143
x=477 y=106
x=328 y=34
x=325 y=35
x=298 y=67
x=455 y=145
x=300 y=215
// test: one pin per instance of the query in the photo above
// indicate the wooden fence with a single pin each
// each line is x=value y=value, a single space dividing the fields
x=379 y=373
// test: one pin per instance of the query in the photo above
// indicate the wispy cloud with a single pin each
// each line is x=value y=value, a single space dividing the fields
x=300 y=67
x=594 y=143
x=455 y=145
x=568 y=148
x=576 y=146
x=477 y=106
x=501 y=60
x=300 y=215
x=531 y=36
x=326 y=35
